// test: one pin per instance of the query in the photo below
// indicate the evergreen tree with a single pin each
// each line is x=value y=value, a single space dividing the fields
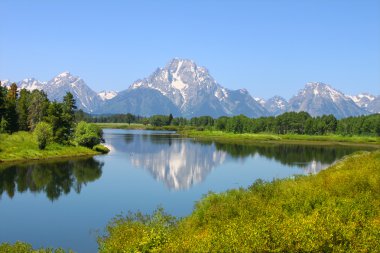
x=55 y=119
x=3 y=95
x=68 y=117
x=37 y=108
x=22 y=109
x=10 y=109
x=170 y=119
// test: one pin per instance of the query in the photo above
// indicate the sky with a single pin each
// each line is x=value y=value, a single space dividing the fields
x=268 y=47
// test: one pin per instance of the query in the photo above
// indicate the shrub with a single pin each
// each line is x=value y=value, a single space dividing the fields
x=101 y=148
x=22 y=247
x=43 y=133
x=88 y=135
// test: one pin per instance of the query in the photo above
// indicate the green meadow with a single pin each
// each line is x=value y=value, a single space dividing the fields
x=23 y=146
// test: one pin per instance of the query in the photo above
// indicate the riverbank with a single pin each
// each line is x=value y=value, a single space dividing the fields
x=224 y=137
x=134 y=126
x=22 y=146
x=335 y=210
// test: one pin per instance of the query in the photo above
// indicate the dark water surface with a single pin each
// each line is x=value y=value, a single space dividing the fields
x=67 y=203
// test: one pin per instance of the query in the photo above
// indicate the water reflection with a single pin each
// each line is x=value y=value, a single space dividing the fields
x=54 y=178
x=181 y=163
x=310 y=158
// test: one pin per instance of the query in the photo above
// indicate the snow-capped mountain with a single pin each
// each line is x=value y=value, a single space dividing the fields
x=374 y=105
x=363 y=99
x=276 y=105
x=106 y=95
x=319 y=98
x=367 y=101
x=86 y=99
x=185 y=89
x=28 y=84
x=261 y=101
x=192 y=90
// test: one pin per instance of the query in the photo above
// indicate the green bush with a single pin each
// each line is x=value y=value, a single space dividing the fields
x=43 y=134
x=88 y=135
x=21 y=247
x=101 y=148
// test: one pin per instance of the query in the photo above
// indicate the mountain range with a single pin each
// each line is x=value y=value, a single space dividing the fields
x=185 y=89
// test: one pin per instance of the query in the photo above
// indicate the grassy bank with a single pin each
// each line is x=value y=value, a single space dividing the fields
x=22 y=146
x=134 y=126
x=337 y=210
x=288 y=138
x=226 y=137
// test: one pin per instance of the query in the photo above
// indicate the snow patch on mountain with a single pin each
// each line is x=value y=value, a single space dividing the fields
x=362 y=99
x=106 y=95
x=261 y=101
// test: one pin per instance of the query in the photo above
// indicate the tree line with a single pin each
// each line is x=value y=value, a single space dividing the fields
x=286 y=123
x=23 y=110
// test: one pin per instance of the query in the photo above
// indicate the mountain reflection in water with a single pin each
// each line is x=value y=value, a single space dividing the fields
x=180 y=163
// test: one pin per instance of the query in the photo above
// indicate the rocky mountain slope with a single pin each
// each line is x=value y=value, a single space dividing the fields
x=191 y=89
x=319 y=98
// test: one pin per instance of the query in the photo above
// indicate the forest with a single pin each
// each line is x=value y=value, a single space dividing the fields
x=287 y=123
x=49 y=121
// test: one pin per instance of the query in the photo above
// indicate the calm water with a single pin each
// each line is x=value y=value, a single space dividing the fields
x=67 y=203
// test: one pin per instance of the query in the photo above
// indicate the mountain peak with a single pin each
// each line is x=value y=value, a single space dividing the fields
x=319 y=98
x=177 y=60
x=106 y=95
x=316 y=85
x=64 y=74
x=178 y=64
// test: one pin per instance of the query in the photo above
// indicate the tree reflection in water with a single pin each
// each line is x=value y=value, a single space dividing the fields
x=180 y=163
x=51 y=177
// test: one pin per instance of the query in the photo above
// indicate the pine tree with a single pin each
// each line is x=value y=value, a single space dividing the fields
x=170 y=119
x=55 y=119
x=22 y=109
x=37 y=108
x=10 y=109
x=68 y=117
x=3 y=95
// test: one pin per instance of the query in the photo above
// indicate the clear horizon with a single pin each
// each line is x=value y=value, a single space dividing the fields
x=267 y=47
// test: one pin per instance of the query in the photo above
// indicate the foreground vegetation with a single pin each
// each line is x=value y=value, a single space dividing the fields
x=21 y=247
x=23 y=146
x=337 y=210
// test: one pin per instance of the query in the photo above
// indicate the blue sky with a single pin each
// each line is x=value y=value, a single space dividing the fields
x=268 y=47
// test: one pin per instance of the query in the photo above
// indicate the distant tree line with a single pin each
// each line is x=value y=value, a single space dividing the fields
x=286 y=123
x=49 y=120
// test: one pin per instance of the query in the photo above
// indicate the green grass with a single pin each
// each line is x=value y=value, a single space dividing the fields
x=141 y=126
x=287 y=138
x=247 y=138
x=337 y=210
x=23 y=146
